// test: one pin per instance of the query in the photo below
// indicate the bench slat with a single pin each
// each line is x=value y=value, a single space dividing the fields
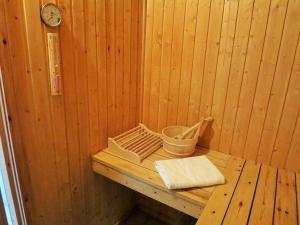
x=285 y=206
x=215 y=210
x=263 y=205
x=241 y=202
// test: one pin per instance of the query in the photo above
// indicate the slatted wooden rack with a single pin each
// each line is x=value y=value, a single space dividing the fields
x=135 y=144
x=253 y=194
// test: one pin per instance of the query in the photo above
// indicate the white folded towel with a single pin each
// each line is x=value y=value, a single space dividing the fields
x=189 y=172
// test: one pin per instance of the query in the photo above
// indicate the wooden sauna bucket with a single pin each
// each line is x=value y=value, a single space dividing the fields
x=178 y=147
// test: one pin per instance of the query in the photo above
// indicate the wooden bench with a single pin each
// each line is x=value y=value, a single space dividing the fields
x=250 y=195
x=262 y=195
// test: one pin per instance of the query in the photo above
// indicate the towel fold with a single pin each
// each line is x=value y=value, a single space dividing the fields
x=189 y=172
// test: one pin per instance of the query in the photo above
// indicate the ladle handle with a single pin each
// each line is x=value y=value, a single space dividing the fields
x=185 y=133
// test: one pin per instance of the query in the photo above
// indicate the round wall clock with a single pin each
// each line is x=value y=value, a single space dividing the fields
x=51 y=15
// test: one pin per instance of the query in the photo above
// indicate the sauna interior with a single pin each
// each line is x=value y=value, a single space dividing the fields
x=89 y=89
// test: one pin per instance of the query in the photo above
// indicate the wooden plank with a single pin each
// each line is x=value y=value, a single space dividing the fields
x=141 y=58
x=218 y=203
x=101 y=40
x=70 y=100
x=211 y=60
x=268 y=63
x=86 y=87
x=176 y=59
x=298 y=194
x=286 y=203
x=279 y=87
x=236 y=73
x=223 y=69
x=137 y=21
x=251 y=72
x=294 y=153
x=57 y=106
x=213 y=154
x=119 y=66
x=187 y=60
x=168 y=26
x=219 y=162
x=153 y=192
x=156 y=60
x=148 y=60
x=127 y=65
x=36 y=70
x=241 y=202
x=264 y=200
x=199 y=60
x=7 y=73
x=110 y=67
x=289 y=115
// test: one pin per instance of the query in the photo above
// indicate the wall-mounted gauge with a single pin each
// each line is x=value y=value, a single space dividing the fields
x=51 y=15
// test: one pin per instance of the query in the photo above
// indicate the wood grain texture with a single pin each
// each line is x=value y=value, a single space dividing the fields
x=264 y=200
x=235 y=60
x=218 y=203
x=261 y=196
x=55 y=136
x=285 y=211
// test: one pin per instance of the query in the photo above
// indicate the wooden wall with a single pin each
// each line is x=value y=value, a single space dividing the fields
x=237 y=60
x=55 y=136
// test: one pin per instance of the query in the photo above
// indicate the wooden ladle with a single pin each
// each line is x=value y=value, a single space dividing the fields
x=188 y=131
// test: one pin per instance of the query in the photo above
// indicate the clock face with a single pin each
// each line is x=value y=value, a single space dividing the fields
x=51 y=15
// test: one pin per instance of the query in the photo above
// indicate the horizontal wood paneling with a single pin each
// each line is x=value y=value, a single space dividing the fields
x=234 y=60
x=55 y=136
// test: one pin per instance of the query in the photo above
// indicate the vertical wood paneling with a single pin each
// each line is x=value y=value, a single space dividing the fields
x=233 y=60
x=280 y=84
x=165 y=63
x=6 y=68
x=201 y=33
x=236 y=73
x=148 y=60
x=70 y=99
x=223 y=68
x=119 y=35
x=211 y=61
x=268 y=62
x=187 y=60
x=251 y=68
x=55 y=136
x=289 y=115
x=127 y=63
x=176 y=59
x=156 y=55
